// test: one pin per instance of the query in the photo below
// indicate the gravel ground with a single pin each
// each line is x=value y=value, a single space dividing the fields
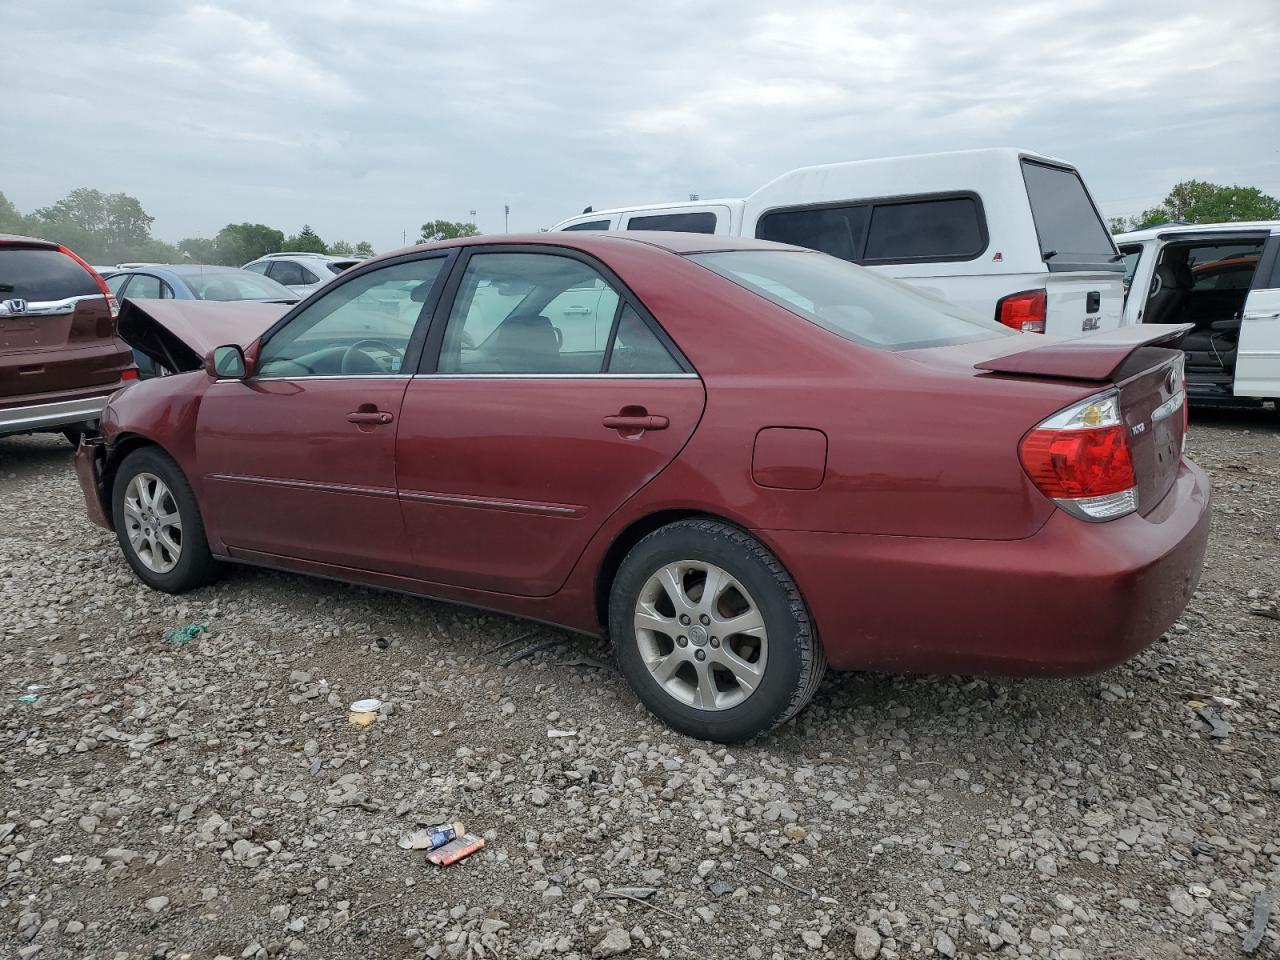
x=208 y=797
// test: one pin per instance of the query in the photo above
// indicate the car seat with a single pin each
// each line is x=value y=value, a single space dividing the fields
x=1169 y=289
x=525 y=344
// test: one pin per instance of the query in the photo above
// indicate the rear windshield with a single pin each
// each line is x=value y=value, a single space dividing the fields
x=236 y=285
x=1071 y=232
x=850 y=301
x=337 y=266
x=39 y=276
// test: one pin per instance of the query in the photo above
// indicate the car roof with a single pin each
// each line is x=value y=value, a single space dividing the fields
x=601 y=242
x=1165 y=229
x=16 y=240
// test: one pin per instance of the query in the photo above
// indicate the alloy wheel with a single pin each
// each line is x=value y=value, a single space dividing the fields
x=701 y=635
x=152 y=522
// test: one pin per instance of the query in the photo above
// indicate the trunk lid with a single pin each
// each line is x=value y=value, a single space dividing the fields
x=1142 y=364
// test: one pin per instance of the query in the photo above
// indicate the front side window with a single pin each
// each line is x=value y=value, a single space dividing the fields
x=286 y=272
x=114 y=283
x=702 y=222
x=1224 y=266
x=529 y=313
x=1131 y=257
x=938 y=229
x=850 y=301
x=259 y=267
x=144 y=287
x=360 y=328
x=1070 y=231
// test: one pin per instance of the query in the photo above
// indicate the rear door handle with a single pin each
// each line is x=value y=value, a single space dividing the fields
x=620 y=422
x=370 y=416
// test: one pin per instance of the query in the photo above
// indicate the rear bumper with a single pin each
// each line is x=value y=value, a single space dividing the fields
x=1072 y=599
x=91 y=455
x=51 y=411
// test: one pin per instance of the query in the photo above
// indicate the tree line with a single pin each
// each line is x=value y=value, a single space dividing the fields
x=110 y=228
x=1197 y=201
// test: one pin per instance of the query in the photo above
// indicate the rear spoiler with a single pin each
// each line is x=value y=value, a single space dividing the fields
x=1094 y=357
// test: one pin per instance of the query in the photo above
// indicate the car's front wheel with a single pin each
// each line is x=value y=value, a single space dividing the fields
x=158 y=523
x=711 y=632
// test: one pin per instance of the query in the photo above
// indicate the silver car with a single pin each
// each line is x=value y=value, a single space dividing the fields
x=301 y=272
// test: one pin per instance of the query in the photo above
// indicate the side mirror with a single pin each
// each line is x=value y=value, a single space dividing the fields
x=226 y=363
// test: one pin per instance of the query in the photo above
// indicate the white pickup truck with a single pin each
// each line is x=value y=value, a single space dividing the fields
x=1009 y=233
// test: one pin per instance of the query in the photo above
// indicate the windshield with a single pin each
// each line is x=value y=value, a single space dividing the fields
x=236 y=285
x=849 y=300
x=1071 y=233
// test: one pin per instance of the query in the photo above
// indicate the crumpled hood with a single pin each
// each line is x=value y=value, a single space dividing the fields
x=178 y=333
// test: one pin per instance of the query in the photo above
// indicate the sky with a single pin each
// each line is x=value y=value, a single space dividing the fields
x=367 y=119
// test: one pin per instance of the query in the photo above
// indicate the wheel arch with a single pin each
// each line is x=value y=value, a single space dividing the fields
x=124 y=445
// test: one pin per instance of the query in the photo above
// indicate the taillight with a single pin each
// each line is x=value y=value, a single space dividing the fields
x=130 y=374
x=1023 y=311
x=112 y=304
x=1080 y=459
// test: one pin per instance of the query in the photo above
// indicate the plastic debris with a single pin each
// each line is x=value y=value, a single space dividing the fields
x=455 y=850
x=1262 y=907
x=1219 y=729
x=555 y=734
x=29 y=698
x=183 y=635
x=721 y=887
x=429 y=838
x=364 y=712
x=382 y=643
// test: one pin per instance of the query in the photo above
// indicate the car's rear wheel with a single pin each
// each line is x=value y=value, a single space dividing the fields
x=711 y=632
x=158 y=523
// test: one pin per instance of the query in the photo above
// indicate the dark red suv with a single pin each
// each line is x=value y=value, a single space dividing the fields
x=60 y=357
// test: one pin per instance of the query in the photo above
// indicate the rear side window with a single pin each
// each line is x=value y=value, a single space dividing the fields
x=589 y=225
x=704 y=222
x=39 y=276
x=945 y=229
x=838 y=231
x=259 y=267
x=1070 y=231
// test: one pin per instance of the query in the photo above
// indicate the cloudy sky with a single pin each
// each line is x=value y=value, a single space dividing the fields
x=366 y=119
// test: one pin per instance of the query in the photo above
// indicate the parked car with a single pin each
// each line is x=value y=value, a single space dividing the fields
x=1009 y=233
x=1225 y=279
x=302 y=272
x=59 y=354
x=743 y=460
x=194 y=281
x=191 y=282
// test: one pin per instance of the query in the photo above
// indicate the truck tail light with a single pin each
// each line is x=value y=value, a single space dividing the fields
x=1080 y=459
x=1023 y=311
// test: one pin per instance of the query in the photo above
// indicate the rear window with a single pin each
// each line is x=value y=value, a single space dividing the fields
x=337 y=266
x=704 y=222
x=838 y=231
x=1071 y=232
x=852 y=302
x=235 y=285
x=39 y=276
x=589 y=225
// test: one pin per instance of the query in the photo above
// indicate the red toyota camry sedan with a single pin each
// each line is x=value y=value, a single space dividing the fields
x=742 y=461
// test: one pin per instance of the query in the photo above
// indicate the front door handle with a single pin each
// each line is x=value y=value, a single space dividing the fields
x=370 y=416
x=631 y=423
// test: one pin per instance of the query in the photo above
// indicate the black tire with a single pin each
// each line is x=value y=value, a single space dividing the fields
x=195 y=565
x=795 y=662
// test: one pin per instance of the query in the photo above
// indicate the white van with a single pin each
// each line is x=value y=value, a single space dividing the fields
x=1009 y=233
x=1224 y=278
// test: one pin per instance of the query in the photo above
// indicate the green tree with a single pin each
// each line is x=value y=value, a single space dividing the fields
x=340 y=248
x=364 y=249
x=308 y=241
x=102 y=228
x=11 y=218
x=446 y=230
x=199 y=250
x=238 y=243
x=1197 y=201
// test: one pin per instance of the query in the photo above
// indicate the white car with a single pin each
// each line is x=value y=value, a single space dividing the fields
x=1225 y=279
x=1009 y=233
x=301 y=272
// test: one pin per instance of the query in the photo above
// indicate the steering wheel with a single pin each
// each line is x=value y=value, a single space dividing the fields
x=356 y=348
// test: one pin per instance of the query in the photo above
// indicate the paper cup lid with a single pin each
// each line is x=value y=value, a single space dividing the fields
x=366 y=706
